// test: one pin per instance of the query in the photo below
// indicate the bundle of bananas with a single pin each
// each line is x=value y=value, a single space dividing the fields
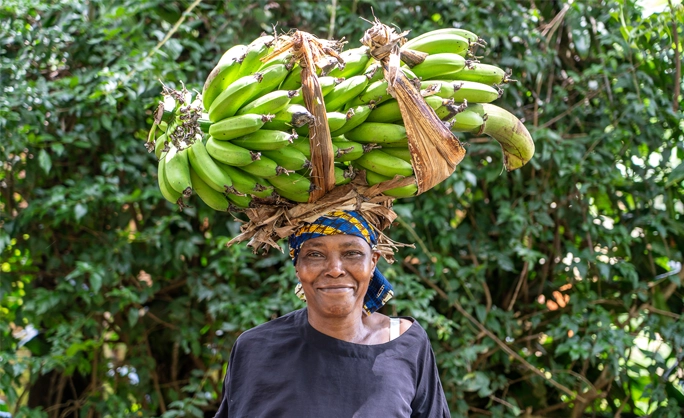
x=255 y=130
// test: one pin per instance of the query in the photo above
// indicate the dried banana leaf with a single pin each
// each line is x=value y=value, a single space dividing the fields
x=435 y=151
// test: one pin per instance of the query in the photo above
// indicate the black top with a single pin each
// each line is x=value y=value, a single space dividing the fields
x=286 y=368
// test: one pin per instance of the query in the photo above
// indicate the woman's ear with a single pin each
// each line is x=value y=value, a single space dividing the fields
x=375 y=258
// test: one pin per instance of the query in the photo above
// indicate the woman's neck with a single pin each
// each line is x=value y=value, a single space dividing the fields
x=358 y=329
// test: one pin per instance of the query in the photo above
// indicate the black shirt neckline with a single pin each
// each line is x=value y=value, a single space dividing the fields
x=348 y=349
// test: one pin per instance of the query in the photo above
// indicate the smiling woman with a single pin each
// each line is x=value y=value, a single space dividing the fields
x=337 y=357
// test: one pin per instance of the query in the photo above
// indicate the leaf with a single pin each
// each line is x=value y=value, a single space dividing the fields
x=133 y=315
x=44 y=161
x=95 y=282
x=80 y=210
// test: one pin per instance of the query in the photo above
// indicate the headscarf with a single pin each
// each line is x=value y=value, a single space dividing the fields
x=347 y=223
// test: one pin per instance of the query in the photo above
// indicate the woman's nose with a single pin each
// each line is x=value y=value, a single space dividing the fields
x=335 y=267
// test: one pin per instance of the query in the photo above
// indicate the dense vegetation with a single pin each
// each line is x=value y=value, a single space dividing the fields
x=545 y=290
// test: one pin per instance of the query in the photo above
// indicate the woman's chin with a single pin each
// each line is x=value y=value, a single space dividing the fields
x=337 y=308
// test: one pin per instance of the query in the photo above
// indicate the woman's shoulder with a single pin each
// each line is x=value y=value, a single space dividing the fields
x=276 y=328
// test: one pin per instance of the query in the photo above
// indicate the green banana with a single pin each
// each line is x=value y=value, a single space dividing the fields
x=439 y=43
x=348 y=150
x=233 y=97
x=403 y=153
x=466 y=121
x=295 y=197
x=355 y=61
x=355 y=116
x=375 y=73
x=336 y=120
x=342 y=93
x=285 y=59
x=177 y=169
x=231 y=154
x=374 y=94
x=256 y=50
x=481 y=73
x=245 y=183
x=289 y=157
x=379 y=133
x=225 y=72
x=160 y=145
x=292 y=117
x=245 y=89
x=293 y=81
x=343 y=176
x=270 y=103
x=439 y=65
x=265 y=140
x=385 y=164
x=213 y=199
x=239 y=201
x=265 y=168
x=326 y=83
x=303 y=145
x=389 y=111
x=515 y=140
x=237 y=126
x=406 y=191
x=470 y=36
x=166 y=190
x=207 y=169
x=294 y=183
x=470 y=91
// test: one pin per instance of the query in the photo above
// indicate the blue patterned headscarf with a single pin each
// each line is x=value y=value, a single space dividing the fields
x=347 y=223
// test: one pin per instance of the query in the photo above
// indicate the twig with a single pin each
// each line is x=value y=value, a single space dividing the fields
x=155 y=378
x=677 y=60
x=169 y=34
x=501 y=344
x=568 y=111
x=333 y=15
x=521 y=279
x=659 y=311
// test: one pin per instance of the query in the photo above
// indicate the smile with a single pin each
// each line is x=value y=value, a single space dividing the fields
x=337 y=289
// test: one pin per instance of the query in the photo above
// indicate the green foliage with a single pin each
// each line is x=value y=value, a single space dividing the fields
x=558 y=267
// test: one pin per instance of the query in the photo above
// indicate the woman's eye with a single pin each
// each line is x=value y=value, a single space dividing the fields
x=354 y=253
x=314 y=254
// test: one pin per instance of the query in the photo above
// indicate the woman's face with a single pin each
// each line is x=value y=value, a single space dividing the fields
x=335 y=272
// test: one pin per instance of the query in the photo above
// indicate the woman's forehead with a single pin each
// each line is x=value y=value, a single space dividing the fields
x=339 y=240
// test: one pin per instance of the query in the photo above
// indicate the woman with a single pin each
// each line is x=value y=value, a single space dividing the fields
x=337 y=357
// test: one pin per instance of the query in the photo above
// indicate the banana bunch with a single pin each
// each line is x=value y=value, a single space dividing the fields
x=246 y=136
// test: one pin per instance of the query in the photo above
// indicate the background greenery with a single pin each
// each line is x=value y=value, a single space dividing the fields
x=543 y=290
